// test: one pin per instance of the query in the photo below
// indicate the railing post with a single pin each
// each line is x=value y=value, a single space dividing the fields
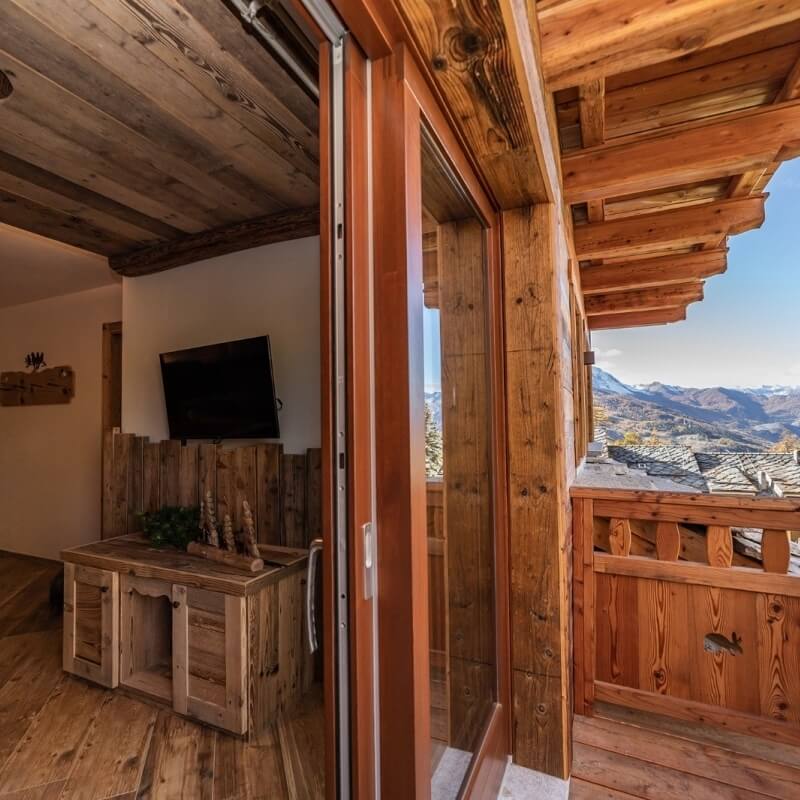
x=583 y=605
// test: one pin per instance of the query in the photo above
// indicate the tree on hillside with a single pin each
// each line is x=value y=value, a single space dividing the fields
x=600 y=415
x=788 y=444
x=629 y=439
x=434 y=451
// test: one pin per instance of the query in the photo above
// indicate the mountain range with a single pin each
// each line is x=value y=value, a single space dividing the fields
x=711 y=419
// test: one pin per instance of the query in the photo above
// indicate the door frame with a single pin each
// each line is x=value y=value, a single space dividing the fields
x=349 y=605
x=402 y=104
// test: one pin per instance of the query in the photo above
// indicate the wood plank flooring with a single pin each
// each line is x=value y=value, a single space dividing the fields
x=62 y=738
x=625 y=755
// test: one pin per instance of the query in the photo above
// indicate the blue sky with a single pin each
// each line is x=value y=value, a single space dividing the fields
x=746 y=332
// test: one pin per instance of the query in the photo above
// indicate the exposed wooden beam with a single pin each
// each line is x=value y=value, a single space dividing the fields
x=280 y=227
x=643 y=299
x=78 y=201
x=592 y=114
x=637 y=319
x=583 y=40
x=28 y=215
x=591 y=109
x=660 y=271
x=680 y=227
x=482 y=77
x=729 y=145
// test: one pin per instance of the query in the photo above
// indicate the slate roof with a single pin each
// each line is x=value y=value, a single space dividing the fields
x=770 y=474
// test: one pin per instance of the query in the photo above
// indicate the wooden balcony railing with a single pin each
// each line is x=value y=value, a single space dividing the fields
x=670 y=618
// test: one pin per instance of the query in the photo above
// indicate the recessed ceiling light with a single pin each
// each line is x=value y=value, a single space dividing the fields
x=6 y=86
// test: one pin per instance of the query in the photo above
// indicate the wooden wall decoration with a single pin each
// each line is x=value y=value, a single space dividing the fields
x=283 y=490
x=46 y=387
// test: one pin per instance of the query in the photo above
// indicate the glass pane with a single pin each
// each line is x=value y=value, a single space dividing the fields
x=457 y=450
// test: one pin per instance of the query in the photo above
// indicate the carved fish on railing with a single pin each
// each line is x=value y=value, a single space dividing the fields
x=718 y=643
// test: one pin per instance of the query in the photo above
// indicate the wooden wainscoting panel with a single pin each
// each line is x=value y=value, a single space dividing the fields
x=283 y=490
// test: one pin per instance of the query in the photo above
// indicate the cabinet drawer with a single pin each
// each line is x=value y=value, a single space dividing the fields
x=209 y=656
x=91 y=624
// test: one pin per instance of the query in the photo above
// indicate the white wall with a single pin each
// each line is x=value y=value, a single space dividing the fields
x=271 y=290
x=50 y=456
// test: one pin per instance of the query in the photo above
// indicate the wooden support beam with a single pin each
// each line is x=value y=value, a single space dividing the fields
x=681 y=227
x=660 y=271
x=637 y=319
x=587 y=39
x=535 y=271
x=728 y=145
x=473 y=51
x=650 y=299
x=281 y=227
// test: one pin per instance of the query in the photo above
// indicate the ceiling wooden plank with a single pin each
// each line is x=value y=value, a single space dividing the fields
x=766 y=66
x=673 y=197
x=96 y=59
x=193 y=53
x=682 y=154
x=27 y=180
x=478 y=70
x=707 y=106
x=649 y=299
x=583 y=40
x=130 y=157
x=653 y=272
x=280 y=227
x=637 y=319
x=748 y=182
x=217 y=18
x=681 y=227
x=768 y=39
x=30 y=216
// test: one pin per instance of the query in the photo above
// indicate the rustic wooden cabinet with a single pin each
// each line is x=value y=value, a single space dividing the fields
x=224 y=647
x=91 y=623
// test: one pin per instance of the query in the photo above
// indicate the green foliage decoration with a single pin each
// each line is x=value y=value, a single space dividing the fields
x=172 y=526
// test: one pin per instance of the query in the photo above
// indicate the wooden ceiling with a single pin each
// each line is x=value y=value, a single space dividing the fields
x=671 y=120
x=138 y=123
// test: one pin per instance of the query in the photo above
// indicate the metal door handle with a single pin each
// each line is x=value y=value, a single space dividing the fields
x=311 y=594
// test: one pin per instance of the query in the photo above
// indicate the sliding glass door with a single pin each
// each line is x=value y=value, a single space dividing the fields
x=440 y=462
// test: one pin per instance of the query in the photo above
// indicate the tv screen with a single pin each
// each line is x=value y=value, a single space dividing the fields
x=221 y=391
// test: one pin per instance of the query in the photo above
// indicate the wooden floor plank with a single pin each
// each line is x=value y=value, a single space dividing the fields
x=649 y=781
x=769 y=751
x=29 y=610
x=702 y=760
x=47 y=752
x=180 y=761
x=51 y=791
x=585 y=790
x=248 y=771
x=111 y=759
x=34 y=676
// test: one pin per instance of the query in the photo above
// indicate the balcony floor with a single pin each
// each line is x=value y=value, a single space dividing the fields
x=61 y=737
x=622 y=755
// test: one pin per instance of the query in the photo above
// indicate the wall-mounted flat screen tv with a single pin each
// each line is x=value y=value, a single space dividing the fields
x=221 y=391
